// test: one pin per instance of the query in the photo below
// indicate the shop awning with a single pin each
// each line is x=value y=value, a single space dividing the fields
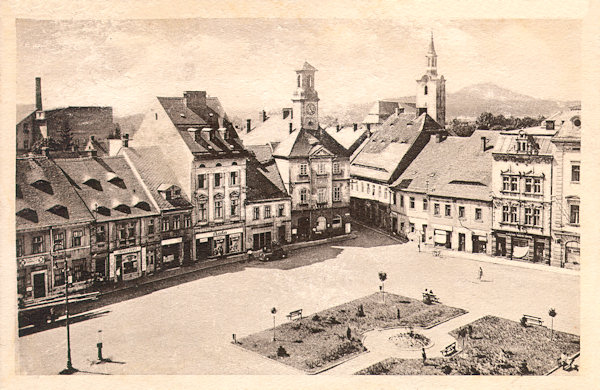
x=520 y=251
x=439 y=237
x=171 y=241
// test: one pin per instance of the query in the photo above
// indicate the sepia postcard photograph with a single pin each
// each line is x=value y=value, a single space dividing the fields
x=375 y=196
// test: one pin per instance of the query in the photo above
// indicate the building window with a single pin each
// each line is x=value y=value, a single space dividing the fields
x=303 y=196
x=574 y=215
x=425 y=204
x=150 y=226
x=411 y=202
x=321 y=195
x=575 y=171
x=411 y=227
x=528 y=184
x=447 y=210
x=362 y=187
x=528 y=216
x=536 y=217
x=255 y=213
x=513 y=214
x=514 y=184
x=202 y=181
x=461 y=211
x=549 y=125
x=217 y=180
x=321 y=168
x=303 y=170
x=436 y=209
x=336 y=168
x=218 y=209
x=187 y=221
x=26 y=144
x=368 y=188
x=20 y=246
x=337 y=194
x=478 y=215
x=385 y=194
x=505 y=183
x=401 y=200
x=202 y=211
x=537 y=186
x=234 y=207
x=393 y=195
x=233 y=178
x=165 y=225
x=26 y=128
x=267 y=211
x=77 y=234
x=505 y=214
x=176 y=222
x=59 y=241
x=281 y=210
x=425 y=90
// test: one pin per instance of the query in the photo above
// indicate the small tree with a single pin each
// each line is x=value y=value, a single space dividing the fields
x=273 y=311
x=349 y=333
x=65 y=136
x=383 y=277
x=552 y=314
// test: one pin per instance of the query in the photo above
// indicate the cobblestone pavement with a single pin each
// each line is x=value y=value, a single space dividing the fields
x=187 y=328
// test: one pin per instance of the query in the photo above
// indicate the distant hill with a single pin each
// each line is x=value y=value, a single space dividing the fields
x=130 y=123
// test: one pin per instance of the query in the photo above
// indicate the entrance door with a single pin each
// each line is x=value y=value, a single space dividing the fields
x=449 y=240
x=538 y=251
x=394 y=225
x=281 y=234
x=424 y=238
x=187 y=252
x=39 y=284
x=461 y=241
x=202 y=249
x=500 y=246
x=303 y=228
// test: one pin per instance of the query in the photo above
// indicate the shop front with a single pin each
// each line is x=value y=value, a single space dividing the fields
x=442 y=236
x=218 y=243
x=33 y=277
x=125 y=264
x=171 y=252
x=523 y=247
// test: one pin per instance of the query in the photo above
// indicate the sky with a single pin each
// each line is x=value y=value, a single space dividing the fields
x=249 y=63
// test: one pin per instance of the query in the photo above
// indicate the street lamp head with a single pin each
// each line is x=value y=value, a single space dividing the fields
x=273 y=311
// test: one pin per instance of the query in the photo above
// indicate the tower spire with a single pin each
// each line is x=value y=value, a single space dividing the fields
x=431 y=58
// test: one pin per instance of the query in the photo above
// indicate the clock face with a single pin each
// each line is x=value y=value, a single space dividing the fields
x=311 y=109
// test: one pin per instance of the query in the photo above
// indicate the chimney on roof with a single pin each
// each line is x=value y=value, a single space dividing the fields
x=196 y=101
x=369 y=128
x=483 y=144
x=337 y=128
x=205 y=133
x=287 y=112
x=125 y=140
x=438 y=138
x=397 y=110
x=38 y=94
x=291 y=128
x=248 y=125
x=355 y=126
x=262 y=116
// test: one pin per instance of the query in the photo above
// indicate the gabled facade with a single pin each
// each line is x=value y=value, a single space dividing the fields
x=52 y=228
x=566 y=188
x=203 y=150
x=522 y=200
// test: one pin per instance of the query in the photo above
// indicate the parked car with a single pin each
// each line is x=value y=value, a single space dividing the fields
x=276 y=252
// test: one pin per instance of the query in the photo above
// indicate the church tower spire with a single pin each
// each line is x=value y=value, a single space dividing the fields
x=431 y=59
x=431 y=89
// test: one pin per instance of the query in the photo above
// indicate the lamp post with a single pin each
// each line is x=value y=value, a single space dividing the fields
x=99 y=345
x=273 y=311
x=69 y=369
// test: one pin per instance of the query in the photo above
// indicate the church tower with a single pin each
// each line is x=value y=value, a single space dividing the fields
x=431 y=90
x=305 y=99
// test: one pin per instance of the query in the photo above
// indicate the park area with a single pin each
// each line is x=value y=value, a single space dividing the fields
x=331 y=336
x=494 y=346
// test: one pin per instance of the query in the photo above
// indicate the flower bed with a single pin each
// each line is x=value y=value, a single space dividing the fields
x=332 y=335
x=496 y=347
x=410 y=341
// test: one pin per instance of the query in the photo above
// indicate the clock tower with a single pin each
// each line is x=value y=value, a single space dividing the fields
x=305 y=99
x=431 y=89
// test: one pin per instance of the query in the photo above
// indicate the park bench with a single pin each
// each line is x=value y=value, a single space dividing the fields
x=449 y=350
x=532 y=319
x=295 y=314
x=430 y=298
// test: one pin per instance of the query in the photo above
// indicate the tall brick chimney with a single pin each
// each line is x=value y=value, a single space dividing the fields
x=38 y=94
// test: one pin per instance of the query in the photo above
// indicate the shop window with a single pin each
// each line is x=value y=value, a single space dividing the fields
x=59 y=241
x=256 y=213
x=37 y=244
x=574 y=214
x=20 y=246
x=218 y=209
x=425 y=204
x=281 y=210
x=78 y=271
x=234 y=207
x=267 y=211
x=575 y=172
x=478 y=215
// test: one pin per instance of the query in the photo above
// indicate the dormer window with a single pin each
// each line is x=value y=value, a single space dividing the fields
x=549 y=125
x=59 y=210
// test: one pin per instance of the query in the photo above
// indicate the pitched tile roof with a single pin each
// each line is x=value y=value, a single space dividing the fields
x=179 y=113
x=300 y=144
x=24 y=110
x=566 y=123
x=455 y=167
x=274 y=129
x=346 y=136
x=45 y=197
x=109 y=186
x=383 y=152
x=263 y=180
x=156 y=173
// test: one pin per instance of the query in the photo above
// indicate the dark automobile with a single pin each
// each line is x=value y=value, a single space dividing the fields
x=274 y=253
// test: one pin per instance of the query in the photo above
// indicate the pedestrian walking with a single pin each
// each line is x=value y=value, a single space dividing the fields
x=480 y=273
x=424 y=355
